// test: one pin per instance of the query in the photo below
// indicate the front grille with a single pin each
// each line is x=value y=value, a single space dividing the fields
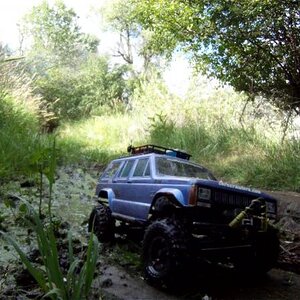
x=231 y=199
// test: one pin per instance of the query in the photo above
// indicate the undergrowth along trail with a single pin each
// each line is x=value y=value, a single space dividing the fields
x=248 y=153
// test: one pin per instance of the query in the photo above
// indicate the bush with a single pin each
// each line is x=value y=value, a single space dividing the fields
x=21 y=118
x=90 y=88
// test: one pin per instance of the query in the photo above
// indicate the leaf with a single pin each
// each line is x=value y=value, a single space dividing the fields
x=53 y=263
x=54 y=291
x=71 y=276
x=36 y=273
x=70 y=248
x=91 y=261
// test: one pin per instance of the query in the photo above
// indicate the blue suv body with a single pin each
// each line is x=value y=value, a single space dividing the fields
x=184 y=205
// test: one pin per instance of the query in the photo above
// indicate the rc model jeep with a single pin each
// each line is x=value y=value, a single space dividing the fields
x=185 y=212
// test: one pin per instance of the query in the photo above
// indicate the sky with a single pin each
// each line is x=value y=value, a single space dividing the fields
x=12 y=11
x=177 y=75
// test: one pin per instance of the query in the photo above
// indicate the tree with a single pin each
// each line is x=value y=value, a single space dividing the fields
x=69 y=75
x=252 y=45
x=54 y=32
x=133 y=45
x=92 y=88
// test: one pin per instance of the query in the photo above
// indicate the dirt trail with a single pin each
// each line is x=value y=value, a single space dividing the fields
x=117 y=282
x=277 y=284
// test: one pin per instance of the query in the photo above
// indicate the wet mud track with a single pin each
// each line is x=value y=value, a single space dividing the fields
x=117 y=283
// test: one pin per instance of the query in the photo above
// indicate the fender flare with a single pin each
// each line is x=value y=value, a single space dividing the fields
x=108 y=194
x=174 y=195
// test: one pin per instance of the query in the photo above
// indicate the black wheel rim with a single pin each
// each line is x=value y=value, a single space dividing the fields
x=159 y=256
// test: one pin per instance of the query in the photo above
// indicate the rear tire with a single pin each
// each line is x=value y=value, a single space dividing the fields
x=102 y=223
x=164 y=253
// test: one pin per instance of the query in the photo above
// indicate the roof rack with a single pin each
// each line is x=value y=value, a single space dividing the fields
x=158 y=149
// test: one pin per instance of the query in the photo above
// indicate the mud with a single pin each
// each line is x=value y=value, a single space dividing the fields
x=217 y=284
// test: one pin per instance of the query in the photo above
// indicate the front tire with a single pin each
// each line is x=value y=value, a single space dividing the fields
x=102 y=223
x=164 y=252
x=263 y=256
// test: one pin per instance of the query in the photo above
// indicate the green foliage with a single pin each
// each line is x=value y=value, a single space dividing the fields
x=18 y=130
x=252 y=45
x=279 y=167
x=99 y=139
x=23 y=116
x=151 y=96
x=133 y=46
x=51 y=279
x=55 y=33
x=50 y=174
x=242 y=148
x=69 y=76
x=234 y=153
x=161 y=126
x=59 y=88
x=23 y=148
x=92 y=87
x=72 y=79
x=43 y=162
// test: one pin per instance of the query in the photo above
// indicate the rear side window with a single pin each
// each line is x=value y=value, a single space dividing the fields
x=111 y=170
x=142 y=168
x=127 y=167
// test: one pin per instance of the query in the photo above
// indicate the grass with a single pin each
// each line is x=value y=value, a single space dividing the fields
x=236 y=154
x=18 y=135
x=99 y=139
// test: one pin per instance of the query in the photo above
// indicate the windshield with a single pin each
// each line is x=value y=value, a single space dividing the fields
x=171 y=167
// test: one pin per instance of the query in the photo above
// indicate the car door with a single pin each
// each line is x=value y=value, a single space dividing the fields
x=142 y=188
x=133 y=189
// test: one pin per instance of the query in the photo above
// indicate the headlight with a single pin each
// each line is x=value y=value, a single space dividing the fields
x=271 y=207
x=204 y=194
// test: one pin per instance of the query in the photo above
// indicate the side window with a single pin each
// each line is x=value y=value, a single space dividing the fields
x=111 y=170
x=147 y=171
x=126 y=169
x=142 y=168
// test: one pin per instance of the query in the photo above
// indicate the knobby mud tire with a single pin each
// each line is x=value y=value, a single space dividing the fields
x=164 y=253
x=102 y=223
x=263 y=257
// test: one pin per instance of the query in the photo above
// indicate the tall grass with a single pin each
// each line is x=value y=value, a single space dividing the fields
x=18 y=134
x=100 y=138
x=21 y=116
x=235 y=153
x=241 y=148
